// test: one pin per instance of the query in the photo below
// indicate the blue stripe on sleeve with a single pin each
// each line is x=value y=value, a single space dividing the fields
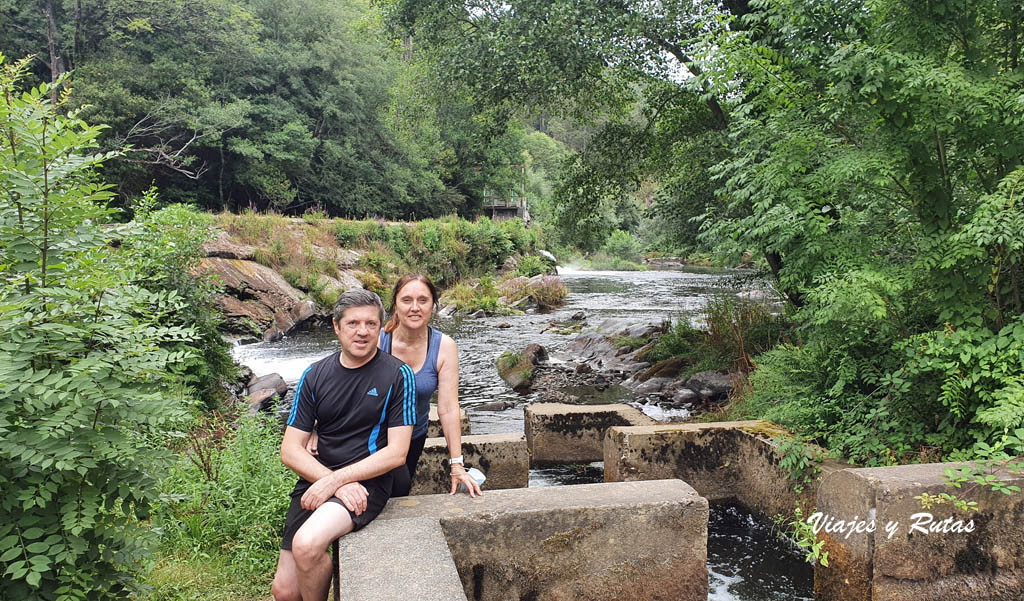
x=295 y=397
x=372 y=445
x=410 y=395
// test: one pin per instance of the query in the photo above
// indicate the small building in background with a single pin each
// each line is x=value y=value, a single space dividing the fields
x=509 y=206
x=509 y=203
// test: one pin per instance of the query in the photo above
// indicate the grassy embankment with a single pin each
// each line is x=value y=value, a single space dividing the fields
x=460 y=256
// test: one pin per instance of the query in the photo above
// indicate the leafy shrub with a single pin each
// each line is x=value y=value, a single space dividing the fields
x=682 y=340
x=472 y=297
x=88 y=357
x=227 y=494
x=163 y=251
x=623 y=245
x=606 y=262
x=735 y=332
x=532 y=265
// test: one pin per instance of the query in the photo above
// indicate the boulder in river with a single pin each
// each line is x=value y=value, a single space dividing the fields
x=668 y=368
x=535 y=354
x=652 y=386
x=516 y=370
x=261 y=400
x=286 y=322
x=269 y=382
x=496 y=406
x=711 y=385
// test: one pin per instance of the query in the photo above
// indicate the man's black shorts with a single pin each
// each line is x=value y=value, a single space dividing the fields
x=379 y=489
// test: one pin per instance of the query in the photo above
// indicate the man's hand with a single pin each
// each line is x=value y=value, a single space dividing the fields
x=321 y=490
x=461 y=476
x=353 y=495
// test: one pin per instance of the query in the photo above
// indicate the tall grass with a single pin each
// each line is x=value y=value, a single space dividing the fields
x=735 y=332
x=227 y=495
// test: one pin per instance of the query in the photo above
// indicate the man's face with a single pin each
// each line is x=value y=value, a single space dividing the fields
x=358 y=331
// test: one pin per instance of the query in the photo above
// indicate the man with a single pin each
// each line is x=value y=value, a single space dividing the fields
x=363 y=403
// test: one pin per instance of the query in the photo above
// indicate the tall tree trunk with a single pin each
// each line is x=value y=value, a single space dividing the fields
x=77 y=51
x=57 y=68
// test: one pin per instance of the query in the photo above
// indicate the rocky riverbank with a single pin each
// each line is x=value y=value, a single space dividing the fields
x=279 y=275
x=607 y=363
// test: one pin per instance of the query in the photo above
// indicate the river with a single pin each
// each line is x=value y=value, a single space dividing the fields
x=745 y=561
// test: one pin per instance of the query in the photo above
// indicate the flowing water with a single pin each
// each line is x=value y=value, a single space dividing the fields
x=642 y=296
x=745 y=561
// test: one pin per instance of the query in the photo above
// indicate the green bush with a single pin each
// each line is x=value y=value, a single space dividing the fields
x=227 y=494
x=735 y=332
x=471 y=297
x=623 y=245
x=89 y=361
x=532 y=265
x=604 y=262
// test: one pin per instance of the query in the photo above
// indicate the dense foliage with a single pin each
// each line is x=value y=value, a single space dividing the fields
x=227 y=494
x=99 y=351
x=878 y=165
x=232 y=104
x=868 y=152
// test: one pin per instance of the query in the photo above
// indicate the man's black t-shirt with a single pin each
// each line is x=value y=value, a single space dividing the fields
x=352 y=408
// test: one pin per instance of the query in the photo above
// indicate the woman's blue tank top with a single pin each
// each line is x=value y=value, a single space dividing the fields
x=426 y=378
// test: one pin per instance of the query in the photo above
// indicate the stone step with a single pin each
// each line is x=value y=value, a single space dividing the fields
x=620 y=541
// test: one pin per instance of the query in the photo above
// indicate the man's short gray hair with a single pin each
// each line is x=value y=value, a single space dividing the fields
x=358 y=297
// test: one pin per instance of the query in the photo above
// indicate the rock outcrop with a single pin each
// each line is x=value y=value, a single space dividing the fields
x=257 y=297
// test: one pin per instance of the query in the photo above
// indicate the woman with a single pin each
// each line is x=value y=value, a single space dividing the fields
x=434 y=359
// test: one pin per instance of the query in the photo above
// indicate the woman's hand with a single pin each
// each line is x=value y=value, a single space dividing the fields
x=311 y=444
x=461 y=476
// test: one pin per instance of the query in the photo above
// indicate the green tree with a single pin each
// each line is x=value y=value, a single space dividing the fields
x=622 y=70
x=85 y=369
x=878 y=167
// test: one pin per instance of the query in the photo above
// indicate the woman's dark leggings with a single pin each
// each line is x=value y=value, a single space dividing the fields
x=403 y=475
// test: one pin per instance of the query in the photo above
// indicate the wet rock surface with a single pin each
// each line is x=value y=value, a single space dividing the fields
x=609 y=357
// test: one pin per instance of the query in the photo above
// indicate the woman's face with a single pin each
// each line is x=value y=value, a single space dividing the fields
x=413 y=305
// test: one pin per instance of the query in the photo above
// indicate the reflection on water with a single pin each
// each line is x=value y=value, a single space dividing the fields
x=643 y=296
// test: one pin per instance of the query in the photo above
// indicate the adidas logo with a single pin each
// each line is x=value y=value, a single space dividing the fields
x=373 y=392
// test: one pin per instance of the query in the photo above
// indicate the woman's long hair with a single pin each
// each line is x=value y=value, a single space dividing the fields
x=392 y=323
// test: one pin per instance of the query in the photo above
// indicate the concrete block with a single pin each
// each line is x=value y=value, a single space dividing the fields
x=434 y=424
x=930 y=554
x=723 y=461
x=558 y=433
x=501 y=457
x=628 y=541
x=399 y=560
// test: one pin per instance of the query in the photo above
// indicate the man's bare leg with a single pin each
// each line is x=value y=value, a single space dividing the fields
x=286 y=580
x=309 y=549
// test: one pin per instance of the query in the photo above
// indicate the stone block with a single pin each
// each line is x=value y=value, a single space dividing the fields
x=628 y=541
x=434 y=425
x=558 y=433
x=399 y=560
x=915 y=553
x=724 y=461
x=501 y=457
